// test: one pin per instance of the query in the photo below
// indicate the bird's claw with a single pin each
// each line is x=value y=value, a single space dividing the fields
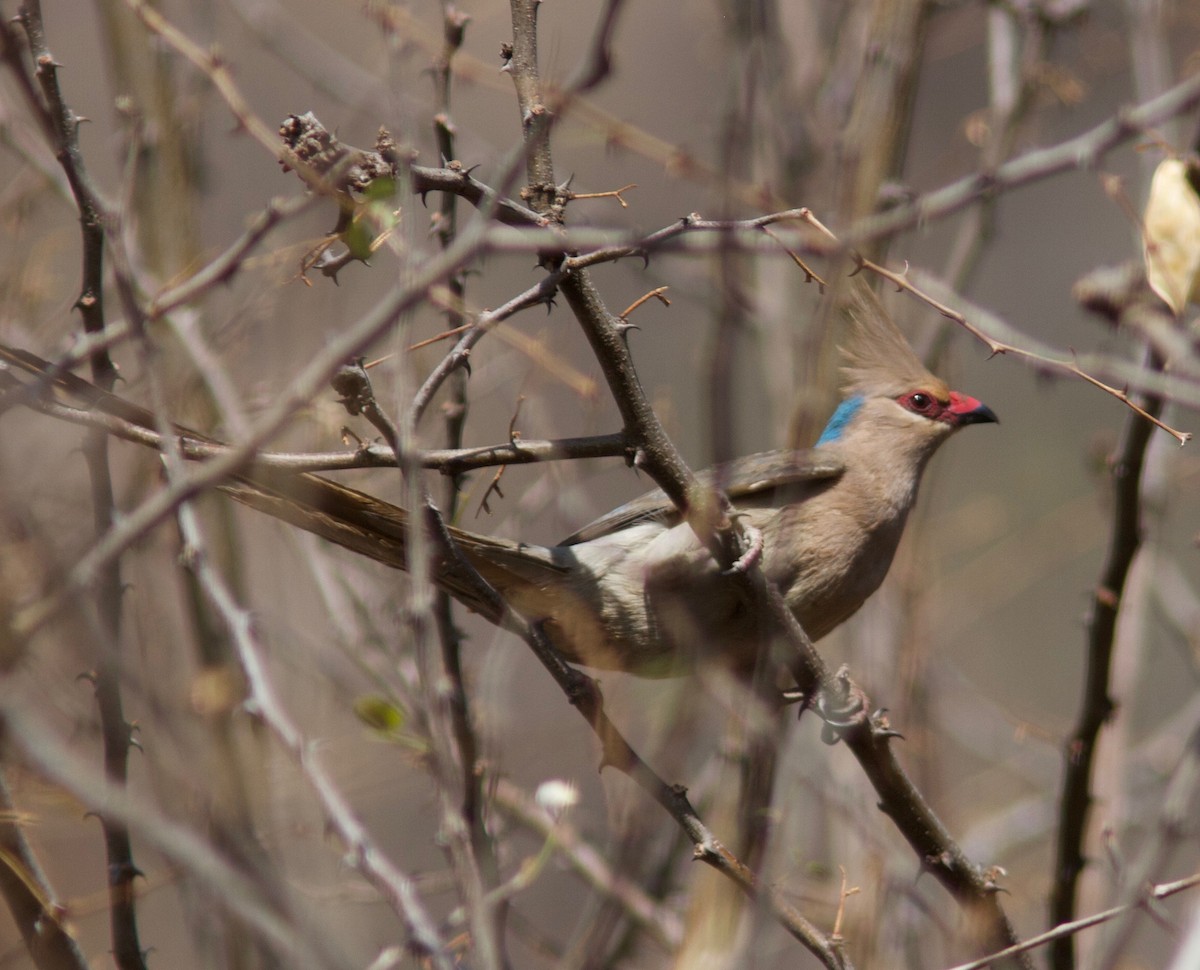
x=843 y=708
x=751 y=557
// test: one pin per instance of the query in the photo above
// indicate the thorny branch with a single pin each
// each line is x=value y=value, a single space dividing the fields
x=43 y=747
x=709 y=518
x=62 y=127
x=1097 y=703
x=263 y=703
x=568 y=273
x=1065 y=930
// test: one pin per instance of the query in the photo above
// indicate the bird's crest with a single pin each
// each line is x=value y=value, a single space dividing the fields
x=878 y=360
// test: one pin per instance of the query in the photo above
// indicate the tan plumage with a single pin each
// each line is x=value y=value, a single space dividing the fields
x=877 y=358
x=636 y=590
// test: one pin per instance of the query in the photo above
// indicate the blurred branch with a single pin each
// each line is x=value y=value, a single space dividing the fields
x=872 y=141
x=650 y=914
x=454 y=776
x=264 y=704
x=472 y=779
x=209 y=62
x=1018 y=41
x=40 y=918
x=1067 y=930
x=1163 y=842
x=62 y=125
x=225 y=266
x=1097 y=706
x=346 y=345
x=1082 y=152
x=452 y=461
x=52 y=756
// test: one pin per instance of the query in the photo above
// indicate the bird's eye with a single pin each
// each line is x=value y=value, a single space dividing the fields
x=920 y=403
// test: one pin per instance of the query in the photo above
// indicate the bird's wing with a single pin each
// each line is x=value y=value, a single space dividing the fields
x=765 y=477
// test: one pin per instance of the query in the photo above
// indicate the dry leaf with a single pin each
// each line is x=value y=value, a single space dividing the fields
x=1172 y=235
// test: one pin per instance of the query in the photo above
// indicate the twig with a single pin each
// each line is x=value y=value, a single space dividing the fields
x=41 y=918
x=610 y=194
x=346 y=345
x=662 y=924
x=1082 y=152
x=45 y=750
x=447 y=759
x=1096 y=705
x=995 y=347
x=654 y=294
x=116 y=731
x=1065 y=930
x=263 y=703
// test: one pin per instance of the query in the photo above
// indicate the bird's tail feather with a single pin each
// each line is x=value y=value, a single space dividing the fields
x=345 y=516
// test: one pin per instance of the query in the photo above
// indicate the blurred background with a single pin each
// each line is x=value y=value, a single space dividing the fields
x=976 y=643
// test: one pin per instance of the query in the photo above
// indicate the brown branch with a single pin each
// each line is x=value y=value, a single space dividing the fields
x=1097 y=705
x=40 y=917
x=1066 y=930
x=708 y=516
x=456 y=179
x=45 y=750
x=901 y=281
x=654 y=294
x=584 y=694
x=116 y=731
x=472 y=779
x=1082 y=152
x=119 y=419
x=346 y=345
x=361 y=851
x=652 y=915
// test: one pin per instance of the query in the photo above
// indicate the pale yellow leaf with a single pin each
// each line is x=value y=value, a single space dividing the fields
x=1172 y=236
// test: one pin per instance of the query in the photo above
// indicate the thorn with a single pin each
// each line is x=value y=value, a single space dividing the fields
x=881 y=728
x=931 y=862
x=991 y=879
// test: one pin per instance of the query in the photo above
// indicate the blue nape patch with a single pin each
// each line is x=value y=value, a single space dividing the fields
x=841 y=417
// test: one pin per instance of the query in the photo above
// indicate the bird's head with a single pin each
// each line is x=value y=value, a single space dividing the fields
x=888 y=391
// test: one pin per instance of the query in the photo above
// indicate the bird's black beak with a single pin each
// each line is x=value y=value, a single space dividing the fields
x=967 y=410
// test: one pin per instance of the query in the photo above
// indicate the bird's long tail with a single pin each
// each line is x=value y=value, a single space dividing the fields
x=345 y=516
